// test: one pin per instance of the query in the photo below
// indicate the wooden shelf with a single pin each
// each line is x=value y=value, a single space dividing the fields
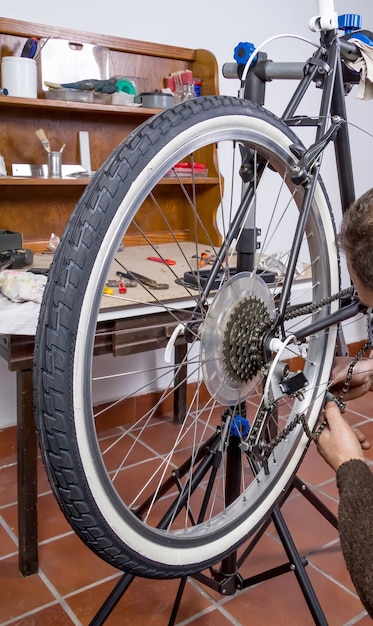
x=36 y=207
x=27 y=181
x=67 y=105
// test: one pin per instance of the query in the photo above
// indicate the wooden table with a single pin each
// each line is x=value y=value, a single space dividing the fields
x=125 y=328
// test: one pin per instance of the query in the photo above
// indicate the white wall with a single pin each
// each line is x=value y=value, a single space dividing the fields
x=216 y=26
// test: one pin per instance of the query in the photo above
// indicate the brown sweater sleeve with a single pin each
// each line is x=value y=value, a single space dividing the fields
x=355 y=522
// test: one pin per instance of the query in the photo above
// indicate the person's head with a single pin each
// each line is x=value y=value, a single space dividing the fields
x=356 y=240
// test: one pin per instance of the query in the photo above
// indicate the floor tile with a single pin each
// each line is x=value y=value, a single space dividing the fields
x=152 y=599
x=339 y=605
x=73 y=582
x=330 y=561
x=213 y=618
x=7 y=544
x=53 y=615
x=314 y=470
x=364 y=621
x=70 y=565
x=8 y=445
x=8 y=484
x=20 y=595
x=281 y=601
x=307 y=527
x=51 y=523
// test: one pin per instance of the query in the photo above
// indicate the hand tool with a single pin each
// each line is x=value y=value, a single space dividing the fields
x=16 y=259
x=112 y=283
x=205 y=259
x=159 y=259
x=40 y=271
x=30 y=48
x=128 y=279
x=122 y=286
x=145 y=280
x=43 y=139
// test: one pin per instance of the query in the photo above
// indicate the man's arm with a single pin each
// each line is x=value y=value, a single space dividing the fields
x=342 y=448
x=355 y=525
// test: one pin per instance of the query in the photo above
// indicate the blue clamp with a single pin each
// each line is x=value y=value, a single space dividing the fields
x=240 y=426
x=243 y=52
x=349 y=22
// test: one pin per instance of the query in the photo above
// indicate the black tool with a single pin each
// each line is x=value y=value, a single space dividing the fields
x=16 y=259
x=128 y=279
x=40 y=271
x=148 y=282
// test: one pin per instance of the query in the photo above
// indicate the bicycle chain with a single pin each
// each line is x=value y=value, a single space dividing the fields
x=267 y=448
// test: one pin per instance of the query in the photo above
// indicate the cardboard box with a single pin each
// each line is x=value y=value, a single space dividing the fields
x=10 y=240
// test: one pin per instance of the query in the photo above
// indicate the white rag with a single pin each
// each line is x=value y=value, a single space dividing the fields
x=363 y=65
x=19 y=286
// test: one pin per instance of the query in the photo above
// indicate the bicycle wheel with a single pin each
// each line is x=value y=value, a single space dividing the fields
x=190 y=457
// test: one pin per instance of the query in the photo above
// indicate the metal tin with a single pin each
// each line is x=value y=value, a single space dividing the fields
x=155 y=99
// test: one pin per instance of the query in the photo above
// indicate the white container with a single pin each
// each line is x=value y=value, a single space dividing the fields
x=19 y=76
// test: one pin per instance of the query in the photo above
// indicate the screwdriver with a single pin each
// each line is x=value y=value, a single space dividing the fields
x=30 y=48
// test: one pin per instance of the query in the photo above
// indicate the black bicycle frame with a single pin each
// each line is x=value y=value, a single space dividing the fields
x=325 y=68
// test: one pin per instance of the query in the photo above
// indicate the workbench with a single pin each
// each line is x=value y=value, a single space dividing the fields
x=126 y=327
x=39 y=206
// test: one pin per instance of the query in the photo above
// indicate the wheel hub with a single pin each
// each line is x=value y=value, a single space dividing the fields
x=232 y=335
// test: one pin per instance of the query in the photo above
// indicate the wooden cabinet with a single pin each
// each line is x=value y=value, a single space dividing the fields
x=39 y=206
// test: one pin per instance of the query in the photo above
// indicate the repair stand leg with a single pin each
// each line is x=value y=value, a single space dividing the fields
x=176 y=605
x=299 y=570
x=112 y=600
x=315 y=501
x=296 y=563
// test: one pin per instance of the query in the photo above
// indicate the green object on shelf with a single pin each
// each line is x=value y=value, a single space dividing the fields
x=126 y=85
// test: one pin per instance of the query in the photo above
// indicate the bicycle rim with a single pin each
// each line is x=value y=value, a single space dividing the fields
x=147 y=480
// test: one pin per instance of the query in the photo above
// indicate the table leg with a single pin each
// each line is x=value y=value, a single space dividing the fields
x=26 y=475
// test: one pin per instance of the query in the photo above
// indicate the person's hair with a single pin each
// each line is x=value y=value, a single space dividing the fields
x=356 y=238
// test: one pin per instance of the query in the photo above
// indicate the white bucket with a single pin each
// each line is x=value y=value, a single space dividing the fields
x=19 y=76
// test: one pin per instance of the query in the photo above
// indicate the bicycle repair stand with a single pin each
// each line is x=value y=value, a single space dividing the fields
x=227 y=579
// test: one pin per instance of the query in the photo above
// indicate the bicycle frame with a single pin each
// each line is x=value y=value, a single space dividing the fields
x=325 y=69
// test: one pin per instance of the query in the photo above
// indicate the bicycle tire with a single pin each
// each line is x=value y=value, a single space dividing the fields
x=98 y=501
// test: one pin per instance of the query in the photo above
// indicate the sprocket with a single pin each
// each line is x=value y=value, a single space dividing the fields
x=231 y=337
x=242 y=344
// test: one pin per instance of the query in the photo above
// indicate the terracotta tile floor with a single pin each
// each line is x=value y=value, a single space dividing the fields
x=72 y=582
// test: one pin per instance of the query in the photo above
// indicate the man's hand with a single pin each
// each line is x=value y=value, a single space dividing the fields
x=338 y=442
x=361 y=381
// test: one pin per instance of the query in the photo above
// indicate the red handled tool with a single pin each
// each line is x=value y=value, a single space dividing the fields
x=159 y=259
